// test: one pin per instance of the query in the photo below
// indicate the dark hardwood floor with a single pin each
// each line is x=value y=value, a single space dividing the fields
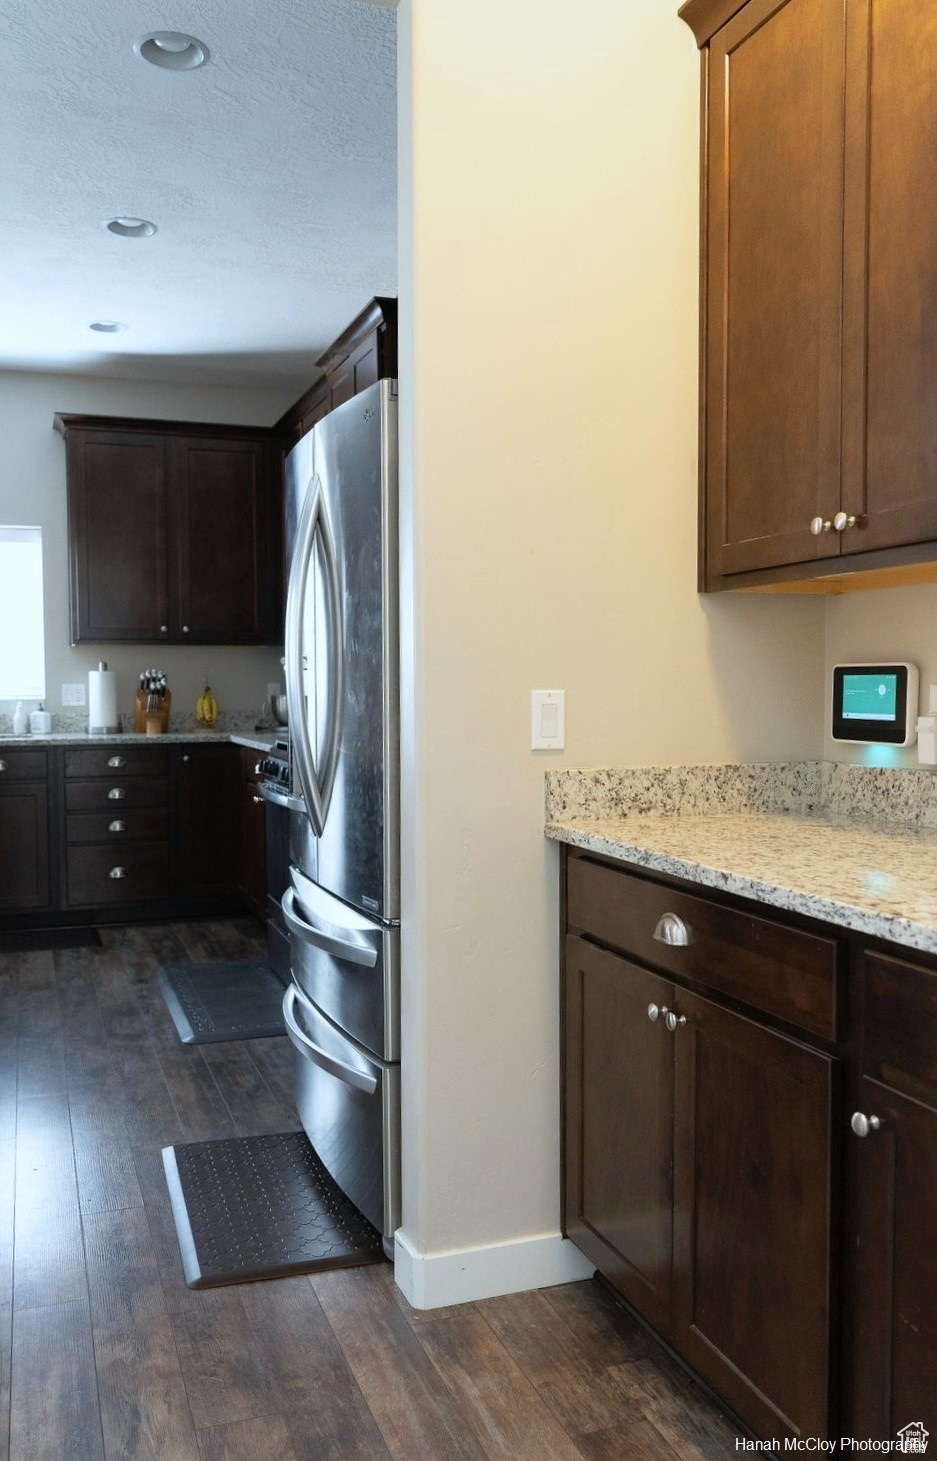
x=104 y=1352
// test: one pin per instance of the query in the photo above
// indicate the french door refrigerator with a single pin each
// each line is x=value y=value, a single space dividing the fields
x=342 y=907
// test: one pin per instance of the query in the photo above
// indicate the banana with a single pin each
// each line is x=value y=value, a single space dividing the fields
x=206 y=707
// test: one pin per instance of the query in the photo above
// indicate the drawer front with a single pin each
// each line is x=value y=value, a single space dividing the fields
x=140 y=824
x=99 y=877
x=782 y=971
x=102 y=796
x=899 y=1042
x=122 y=761
x=17 y=765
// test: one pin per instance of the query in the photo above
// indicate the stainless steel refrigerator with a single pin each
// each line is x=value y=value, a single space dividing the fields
x=342 y=908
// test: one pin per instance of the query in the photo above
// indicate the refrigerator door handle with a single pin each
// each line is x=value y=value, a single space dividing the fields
x=336 y=649
x=301 y=1042
x=349 y=950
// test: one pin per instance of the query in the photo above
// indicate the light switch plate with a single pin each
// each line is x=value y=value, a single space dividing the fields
x=547 y=720
x=73 y=694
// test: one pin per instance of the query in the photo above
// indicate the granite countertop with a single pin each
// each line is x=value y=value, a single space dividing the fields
x=253 y=740
x=868 y=873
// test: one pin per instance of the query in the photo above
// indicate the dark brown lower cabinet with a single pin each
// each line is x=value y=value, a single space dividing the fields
x=698 y=1179
x=209 y=818
x=24 y=844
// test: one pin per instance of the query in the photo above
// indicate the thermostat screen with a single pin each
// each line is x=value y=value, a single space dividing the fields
x=870 y=697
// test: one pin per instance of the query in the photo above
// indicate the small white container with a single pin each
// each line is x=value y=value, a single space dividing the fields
x=20 y=720
x=40 y=723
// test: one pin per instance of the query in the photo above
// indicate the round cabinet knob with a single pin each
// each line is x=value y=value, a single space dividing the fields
x=674 y=1020
x=117 y=761
x=164 y=628
x=843 y=520
x=118 y=872
x=3 y=765
x=672 y=930
x=187 y=757
x=116 y=794
x=117 y=826
x=862 y=1125
x=819 y=525
x=653 y=1012
x=256 y=798
x=185 y=628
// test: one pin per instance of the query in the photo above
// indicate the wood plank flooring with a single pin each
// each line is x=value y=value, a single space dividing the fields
x=105 y=1355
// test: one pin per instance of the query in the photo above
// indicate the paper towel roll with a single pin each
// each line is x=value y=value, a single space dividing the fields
x=102 y=701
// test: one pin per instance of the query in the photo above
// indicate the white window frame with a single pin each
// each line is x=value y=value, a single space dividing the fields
x=22 y=624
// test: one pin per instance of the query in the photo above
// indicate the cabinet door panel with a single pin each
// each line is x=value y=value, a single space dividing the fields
x=24 y=846
x=209 y=803
x=753 y=1216
x=619 y=1125
x=896 y=1276
x=891 y=274
x=219 y=526
x=117 y=506
x=776 y=80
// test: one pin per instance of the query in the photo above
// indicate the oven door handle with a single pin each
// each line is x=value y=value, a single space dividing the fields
x=311 y=1051
x=277 y=797
x=350 y=950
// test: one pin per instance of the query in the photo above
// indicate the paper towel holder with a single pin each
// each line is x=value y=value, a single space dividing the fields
x=102 y=701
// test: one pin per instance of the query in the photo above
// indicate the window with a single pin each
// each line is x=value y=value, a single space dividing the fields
x=22 y=632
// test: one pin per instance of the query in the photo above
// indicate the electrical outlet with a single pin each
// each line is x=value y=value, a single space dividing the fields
x=73 y=694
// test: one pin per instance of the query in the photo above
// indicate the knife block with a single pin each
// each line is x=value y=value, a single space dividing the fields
x=161 y=714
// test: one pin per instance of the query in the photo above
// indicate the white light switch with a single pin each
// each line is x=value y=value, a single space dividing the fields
x=547 y=720
x=73 y=694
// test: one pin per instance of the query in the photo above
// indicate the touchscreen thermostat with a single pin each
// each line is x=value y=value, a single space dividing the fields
x=875 y=704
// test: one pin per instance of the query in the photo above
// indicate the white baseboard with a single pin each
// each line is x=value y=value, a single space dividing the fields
x=457 y=1276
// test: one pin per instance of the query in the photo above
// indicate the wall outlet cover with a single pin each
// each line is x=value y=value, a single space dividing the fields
x=73 y=694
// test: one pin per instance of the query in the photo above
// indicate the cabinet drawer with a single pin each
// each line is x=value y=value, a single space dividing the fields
x=781 y=971
x=99 y=877
x=111 y=760
x=123 y=791
x=143 y=824
x=900 y=1031
x=23 y=765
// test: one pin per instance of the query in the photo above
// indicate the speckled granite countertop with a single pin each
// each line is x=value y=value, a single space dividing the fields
x=873 y=871
x=254 y=740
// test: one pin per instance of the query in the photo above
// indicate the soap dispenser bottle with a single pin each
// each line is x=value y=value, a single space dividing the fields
x=20 y=721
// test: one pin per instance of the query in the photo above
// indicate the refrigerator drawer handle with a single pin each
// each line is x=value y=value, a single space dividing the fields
x=301 y=1041
x=347 y=949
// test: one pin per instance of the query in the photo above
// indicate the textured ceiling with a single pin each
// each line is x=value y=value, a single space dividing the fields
x=270 y=173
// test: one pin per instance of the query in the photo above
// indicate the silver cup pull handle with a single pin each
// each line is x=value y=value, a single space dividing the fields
x=117 y=826
x=116 y=794
x=672 y=930
x=118 y=872
x=116 y=762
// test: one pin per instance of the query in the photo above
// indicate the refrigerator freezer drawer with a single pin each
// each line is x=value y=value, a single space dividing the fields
x=349 y=1105
x=346 y=964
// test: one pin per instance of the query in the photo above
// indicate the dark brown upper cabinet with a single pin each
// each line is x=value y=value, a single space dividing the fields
x=172 y=532
x=363 y=353
x=819 y=277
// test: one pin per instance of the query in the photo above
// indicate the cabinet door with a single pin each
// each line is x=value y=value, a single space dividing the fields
x=219 y=527
x=753 y=1217
x=118 y=545
x=773 y=297
x=619 y=1124
x=24 y=846
x=890 y=340
x=895 y=1321
x=208 y=801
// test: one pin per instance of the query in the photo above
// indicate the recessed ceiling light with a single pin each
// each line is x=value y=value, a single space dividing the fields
x=172 y=50
x=107 y=327
x=131 y=227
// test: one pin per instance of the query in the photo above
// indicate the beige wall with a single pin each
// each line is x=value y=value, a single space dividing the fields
x=549 y=206
x=32 y=492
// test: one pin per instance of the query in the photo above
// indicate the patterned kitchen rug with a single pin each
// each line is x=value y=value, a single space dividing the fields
x=257 y=1207
x=227 y=999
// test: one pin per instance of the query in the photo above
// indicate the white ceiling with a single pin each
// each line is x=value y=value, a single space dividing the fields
x=270 y=173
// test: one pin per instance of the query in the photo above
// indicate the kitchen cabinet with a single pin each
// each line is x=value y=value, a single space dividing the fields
x=172 y=532
x=24 y=830
x=209 y=841
x=700 y=1146
x=116 y=825
x=252 y=882
x=893 y=1216
x=365 y=352
x=819 y=349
